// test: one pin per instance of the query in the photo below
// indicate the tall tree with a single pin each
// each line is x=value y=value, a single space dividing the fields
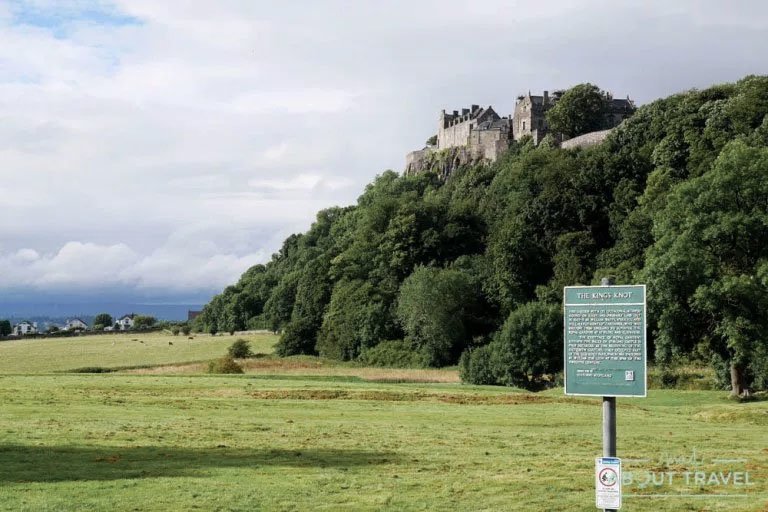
x=707 y=267
x=580 y=110
x=102 y=320
x=5 y=327
x=433 y=308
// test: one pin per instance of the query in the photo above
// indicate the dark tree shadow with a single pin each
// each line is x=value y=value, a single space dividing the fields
x=19 y=463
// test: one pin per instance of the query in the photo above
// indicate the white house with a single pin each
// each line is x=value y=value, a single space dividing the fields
x=75 y=324
x=24 y=328
x=125 y=322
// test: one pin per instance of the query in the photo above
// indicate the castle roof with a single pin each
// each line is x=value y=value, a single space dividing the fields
x=475 y=112
x=497 y=124
x=622 y=104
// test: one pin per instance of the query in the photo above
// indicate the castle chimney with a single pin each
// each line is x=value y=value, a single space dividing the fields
x=456 y=112
x=546 y=97
x=475 y=107
x=464 y=111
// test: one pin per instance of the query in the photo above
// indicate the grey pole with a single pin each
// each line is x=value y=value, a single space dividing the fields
x=609 y=413
x=609 y=426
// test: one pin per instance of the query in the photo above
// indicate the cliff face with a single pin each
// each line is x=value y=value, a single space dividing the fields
x=444 y=161
x=441 y=162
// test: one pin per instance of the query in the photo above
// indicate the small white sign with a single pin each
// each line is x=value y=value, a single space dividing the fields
x=608 y=482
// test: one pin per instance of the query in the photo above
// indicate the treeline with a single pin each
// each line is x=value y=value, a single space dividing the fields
x=471 y=270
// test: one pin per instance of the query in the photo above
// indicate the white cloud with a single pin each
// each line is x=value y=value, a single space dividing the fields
x=81 y=266
x=302 y=182
x=176 y=148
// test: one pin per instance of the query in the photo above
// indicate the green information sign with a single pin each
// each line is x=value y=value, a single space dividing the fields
x=605 y=353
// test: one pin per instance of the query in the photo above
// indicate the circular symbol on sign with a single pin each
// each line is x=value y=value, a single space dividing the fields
x=608 y=477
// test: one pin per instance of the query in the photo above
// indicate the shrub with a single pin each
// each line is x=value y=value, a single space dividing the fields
x=393 y=354
x=92 y=369
x=224 y=365
x=212 y=331
x=476 y=366
x=298 y=338
x=523 y=352
x=240 y=349
x=529 y=346
x=185 y=329
x=175 y=330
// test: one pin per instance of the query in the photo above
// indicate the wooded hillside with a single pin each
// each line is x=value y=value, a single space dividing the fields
x=425 y=272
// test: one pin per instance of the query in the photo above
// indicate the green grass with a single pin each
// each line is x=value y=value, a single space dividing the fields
x=334 y=441
x=118 y=351
x=120 y=442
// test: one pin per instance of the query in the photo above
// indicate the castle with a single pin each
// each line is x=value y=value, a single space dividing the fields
x=480 y=134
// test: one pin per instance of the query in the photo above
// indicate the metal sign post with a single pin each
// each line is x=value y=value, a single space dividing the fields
x=609 y=416
x=605 y=351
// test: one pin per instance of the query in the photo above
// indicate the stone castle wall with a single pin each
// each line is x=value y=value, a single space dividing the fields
x=586 y=140
x=480 y=135
x=453 y=136
x=488 y=144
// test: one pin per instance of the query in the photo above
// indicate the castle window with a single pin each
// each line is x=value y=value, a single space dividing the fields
x=523 y=125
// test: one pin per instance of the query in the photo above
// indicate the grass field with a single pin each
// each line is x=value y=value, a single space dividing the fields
x=302 y=435
x=118 y=351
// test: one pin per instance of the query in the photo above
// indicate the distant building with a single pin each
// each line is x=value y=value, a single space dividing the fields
x=191 y=315
x=24 y=328
x=75 y=324
x=125 y=322
x=480 y=135
x=530 y=114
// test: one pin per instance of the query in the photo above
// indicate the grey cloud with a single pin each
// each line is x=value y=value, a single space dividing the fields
x=205 y=132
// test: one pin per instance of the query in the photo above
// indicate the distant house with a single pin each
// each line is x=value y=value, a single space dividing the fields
x=191 y=315
x=24 y=328
x=125 y=322
x=75 y=324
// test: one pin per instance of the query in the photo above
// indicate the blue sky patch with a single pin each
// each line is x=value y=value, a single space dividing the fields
x=60 y=18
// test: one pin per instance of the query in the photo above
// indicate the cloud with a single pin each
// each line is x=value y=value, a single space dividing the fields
x=302 y=182
x=78 y=266
x=158 y=146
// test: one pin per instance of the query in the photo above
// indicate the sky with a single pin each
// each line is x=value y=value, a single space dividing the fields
x=153 y=151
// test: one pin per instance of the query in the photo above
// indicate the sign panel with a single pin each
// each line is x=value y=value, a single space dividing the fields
x=605 y=346
x=608 y=483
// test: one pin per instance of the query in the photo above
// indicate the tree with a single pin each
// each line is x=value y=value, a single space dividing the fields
x=5 y=327
x=707 y=270
x=529 y=346
x=434 y=308
x=143 y=321
x=102 y=320
x=279 y=307
x=298 y=338
x=432 y=141
x=312 y=296
x=581 y=109
x=358 y=318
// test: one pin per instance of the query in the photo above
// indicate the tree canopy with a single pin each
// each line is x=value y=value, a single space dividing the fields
x=5 y=327
x=102 y=320
x=580 y=110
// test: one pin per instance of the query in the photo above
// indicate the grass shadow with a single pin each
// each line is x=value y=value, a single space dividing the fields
x=22 y=463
